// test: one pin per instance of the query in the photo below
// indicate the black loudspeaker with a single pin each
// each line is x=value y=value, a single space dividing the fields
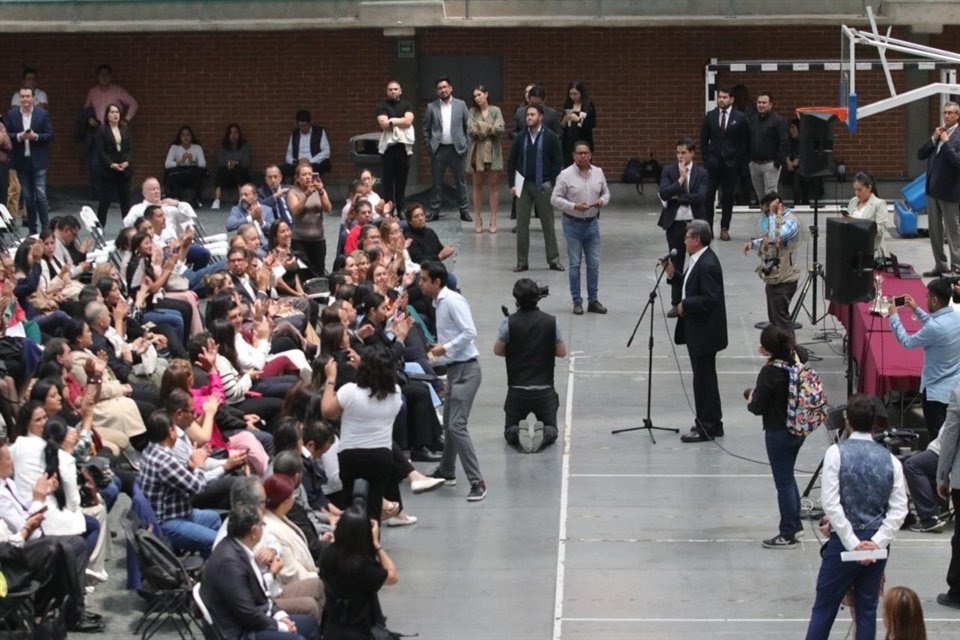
x=850 y=260
x=816 y=144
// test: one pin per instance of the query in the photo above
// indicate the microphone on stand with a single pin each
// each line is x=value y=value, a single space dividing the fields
x=664 y=259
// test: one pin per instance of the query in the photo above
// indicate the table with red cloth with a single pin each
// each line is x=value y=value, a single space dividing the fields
x=883 y=364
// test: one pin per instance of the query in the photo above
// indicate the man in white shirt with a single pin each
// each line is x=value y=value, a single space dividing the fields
x=307 y=142
x=864 y=499
x=29 y=79
x=445 y=136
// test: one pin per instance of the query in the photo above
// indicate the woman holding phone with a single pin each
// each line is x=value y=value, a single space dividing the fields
x=308 y=201
x=867 y=205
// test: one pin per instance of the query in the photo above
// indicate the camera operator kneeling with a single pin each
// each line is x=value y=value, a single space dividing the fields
x=530 y=341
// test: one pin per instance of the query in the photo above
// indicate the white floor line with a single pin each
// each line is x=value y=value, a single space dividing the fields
x=564 y=495
x=643 y=372
x=675 y=475
x=715 y=620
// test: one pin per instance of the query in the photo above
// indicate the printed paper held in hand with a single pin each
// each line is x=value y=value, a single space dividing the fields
x=518 y=183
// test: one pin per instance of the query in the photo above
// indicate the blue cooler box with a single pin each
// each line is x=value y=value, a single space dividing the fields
x=905 y=220
x=915 y=194
x=905 y=213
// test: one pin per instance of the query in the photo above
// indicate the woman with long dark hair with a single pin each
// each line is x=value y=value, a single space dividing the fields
x=866 y=204
x=114 y=152
x=579 y=119
x=485 y=126
x=142 y=272
x=185 y=168
x=233 y=163
x=355 y=567
x=770 y=398
x=366 y=409
x=26 y=261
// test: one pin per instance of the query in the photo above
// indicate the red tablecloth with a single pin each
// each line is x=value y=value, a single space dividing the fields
x=883 y=364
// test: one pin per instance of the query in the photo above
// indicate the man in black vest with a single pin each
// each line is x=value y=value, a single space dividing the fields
x=307 y=142
x=530 y=340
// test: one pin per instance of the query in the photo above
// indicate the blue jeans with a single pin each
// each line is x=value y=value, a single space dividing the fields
x=195 y=276
x=92 y=533
x=833 y=582
x=33 y=189
x=52 y=323
x=198 y=256
x=307 y=627
x=583 y=240
x=195 y=532
x=110 y=492
x=782 y=450
x=167 y=317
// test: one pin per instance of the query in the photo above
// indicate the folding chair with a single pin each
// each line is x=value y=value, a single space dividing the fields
x=167 y=585
x=90 y=222
x=210 y=631
x=16 y=612
x=10 y=225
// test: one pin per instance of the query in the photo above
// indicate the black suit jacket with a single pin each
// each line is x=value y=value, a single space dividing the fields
x=943 y=169
x=675 y=195
x=242 y=290
x=550 y=120
x=39 y=149
x=114 y=361
x=107 y=150
x=703 y=325
x=727 y=148
x=233 y=595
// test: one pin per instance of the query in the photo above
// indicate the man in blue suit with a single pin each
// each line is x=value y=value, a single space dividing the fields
x=942 y=153
x=445 y=135
x=683 y=192
x=30 y=131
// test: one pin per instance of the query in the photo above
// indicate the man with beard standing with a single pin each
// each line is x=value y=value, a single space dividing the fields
x=395 y=118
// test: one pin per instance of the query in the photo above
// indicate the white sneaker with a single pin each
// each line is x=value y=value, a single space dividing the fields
x=531 y=435
x=215 y=205
x=401 y=520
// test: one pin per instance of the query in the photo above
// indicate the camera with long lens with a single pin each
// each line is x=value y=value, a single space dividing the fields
x=769 y=265
x=543 y=291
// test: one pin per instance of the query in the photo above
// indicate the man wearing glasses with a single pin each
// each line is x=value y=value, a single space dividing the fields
x=942 y=153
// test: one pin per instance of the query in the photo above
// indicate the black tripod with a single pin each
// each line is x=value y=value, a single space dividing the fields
x=648 y=421
x=813 y=274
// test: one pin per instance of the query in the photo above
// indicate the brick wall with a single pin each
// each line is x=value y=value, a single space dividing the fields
x=647 y=83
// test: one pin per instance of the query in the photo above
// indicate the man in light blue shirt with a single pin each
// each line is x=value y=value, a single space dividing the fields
x=455 y=348
x=940 y=339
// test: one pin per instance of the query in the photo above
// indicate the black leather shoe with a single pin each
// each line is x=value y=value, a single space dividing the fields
x=433 y=217
x=695 y=435
x=87 y=625
x=717 y=430
x=465 y=216
x=556 y=266
x=673 y=312
x=520 y=267
x=596 y=307
x=933 y=273
x=424 y=454
x=577 y=309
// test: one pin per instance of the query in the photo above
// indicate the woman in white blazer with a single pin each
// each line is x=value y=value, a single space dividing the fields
x=298 y=573
x=866 y=205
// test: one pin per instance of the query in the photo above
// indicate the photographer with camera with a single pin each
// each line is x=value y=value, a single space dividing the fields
x=780 y=237
x=530 y=341
x=940 y=338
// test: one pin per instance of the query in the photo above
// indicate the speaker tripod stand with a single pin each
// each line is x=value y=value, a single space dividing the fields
x=648 y=421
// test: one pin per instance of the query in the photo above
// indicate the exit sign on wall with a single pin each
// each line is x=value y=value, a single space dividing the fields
x=405 y=49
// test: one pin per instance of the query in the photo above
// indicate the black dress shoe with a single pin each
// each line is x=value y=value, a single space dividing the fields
x=87 y=625
x=933 y=273
x=596 y=307
x=520 y=267
x=556 y=266
x=423 y=454
x=695 y=435
x=465 y=216
x=577 y=309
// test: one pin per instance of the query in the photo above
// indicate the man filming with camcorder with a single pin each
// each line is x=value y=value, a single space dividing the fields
x=530 y=340
x=940 y=338
x=780 y=237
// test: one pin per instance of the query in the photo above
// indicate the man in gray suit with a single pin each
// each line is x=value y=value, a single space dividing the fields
x=445 y=133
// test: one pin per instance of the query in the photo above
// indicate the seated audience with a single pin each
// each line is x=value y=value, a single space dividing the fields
x=171 y=486
x=250 y=210
x=233 y=163
x=186 y=168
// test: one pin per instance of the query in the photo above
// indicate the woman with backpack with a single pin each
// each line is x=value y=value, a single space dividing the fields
x=770 y=398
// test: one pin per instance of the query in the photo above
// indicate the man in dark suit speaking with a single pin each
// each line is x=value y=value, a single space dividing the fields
x=683 y=192
x=702 y=326
x=724 y=145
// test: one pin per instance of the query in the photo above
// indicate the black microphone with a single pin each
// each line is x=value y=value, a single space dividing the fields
x=664 y=259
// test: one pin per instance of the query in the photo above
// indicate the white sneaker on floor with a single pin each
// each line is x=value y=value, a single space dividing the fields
x=215 y=205
x=531 y=435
